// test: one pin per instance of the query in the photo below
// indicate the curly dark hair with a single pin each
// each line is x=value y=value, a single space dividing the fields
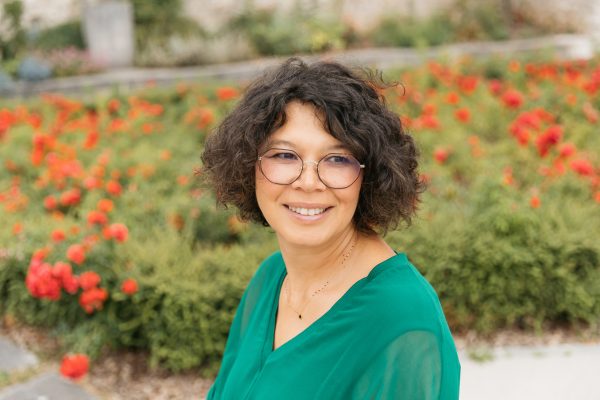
x=352 y=110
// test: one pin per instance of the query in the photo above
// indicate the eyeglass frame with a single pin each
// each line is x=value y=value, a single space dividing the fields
x=316 y=163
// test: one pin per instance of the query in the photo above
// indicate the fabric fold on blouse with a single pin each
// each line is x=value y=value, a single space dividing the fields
x=385 y=338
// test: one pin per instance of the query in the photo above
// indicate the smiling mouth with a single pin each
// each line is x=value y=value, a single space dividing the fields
x=307 y=211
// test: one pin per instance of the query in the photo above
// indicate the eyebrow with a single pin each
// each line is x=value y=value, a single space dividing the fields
x=290 y=144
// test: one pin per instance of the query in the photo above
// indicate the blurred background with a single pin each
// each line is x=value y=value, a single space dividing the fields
x=118 y=271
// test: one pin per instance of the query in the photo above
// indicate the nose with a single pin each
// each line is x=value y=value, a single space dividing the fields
x=309 y=177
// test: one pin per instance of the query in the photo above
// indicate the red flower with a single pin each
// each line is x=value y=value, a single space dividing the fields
x=548 y=139
x=105 y=205
x=512 y=98
x=41 y=282
x=495 y=86
x=441 y=155
x=566 y=150
x=91 y=182
x=463 y=115
x=70 y=197
x=534 y=202
x=116 y=231
x=114 y=188
x=57 y=235
x=583 y=167
x=468 y=83
x=452 y=98
x=226 y=93
x=93 y=299
x=74 y=366
x=76 y=253
x=50 y=202
x=89 y=280
x=17 y=228
x=64 y=273
x=97 y=218
x=129 y=286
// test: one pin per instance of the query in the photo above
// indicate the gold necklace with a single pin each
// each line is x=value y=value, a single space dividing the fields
x=319 y=290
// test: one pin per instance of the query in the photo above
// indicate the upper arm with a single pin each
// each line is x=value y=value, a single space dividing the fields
x=410 y=367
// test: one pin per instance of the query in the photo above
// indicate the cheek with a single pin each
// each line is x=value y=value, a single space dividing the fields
x=265 y=191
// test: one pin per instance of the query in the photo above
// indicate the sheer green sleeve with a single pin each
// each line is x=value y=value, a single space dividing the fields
x=412 y=367
x=241 y=323
x=231 y=348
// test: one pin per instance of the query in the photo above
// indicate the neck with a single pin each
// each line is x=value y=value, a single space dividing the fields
x=308 y=268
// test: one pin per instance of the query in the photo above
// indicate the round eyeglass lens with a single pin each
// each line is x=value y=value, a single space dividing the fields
x=338 y=171
x=281 y=166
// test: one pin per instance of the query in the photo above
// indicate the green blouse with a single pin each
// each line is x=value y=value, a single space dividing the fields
x=385 y=338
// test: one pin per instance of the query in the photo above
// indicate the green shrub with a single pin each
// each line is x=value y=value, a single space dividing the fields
x=13 y=39
x=300 y=31
x=496 y=263
x=67 y=34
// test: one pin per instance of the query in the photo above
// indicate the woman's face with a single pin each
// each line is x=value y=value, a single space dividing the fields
x=283 y=206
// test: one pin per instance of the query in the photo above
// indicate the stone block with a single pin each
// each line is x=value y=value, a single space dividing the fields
x=108 y=32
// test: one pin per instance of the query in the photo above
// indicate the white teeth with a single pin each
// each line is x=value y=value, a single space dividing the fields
x=307 y=211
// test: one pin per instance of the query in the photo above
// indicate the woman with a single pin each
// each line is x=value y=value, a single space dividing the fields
x=313 y=152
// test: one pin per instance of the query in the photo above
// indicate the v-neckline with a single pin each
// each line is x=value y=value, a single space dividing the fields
x=270 y=334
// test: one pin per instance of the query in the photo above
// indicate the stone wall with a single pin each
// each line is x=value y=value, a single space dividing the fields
x=583 y=14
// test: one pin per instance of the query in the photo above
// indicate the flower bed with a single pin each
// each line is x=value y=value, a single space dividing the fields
x=109 y=239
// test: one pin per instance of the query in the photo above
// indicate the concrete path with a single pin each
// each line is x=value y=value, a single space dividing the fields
x=561 y=372
x=47 y=386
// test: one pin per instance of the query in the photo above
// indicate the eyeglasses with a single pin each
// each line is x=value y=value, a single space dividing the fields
x=284 y=166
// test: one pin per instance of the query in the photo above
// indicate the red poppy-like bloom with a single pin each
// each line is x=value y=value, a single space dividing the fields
x=57 y=235
x=76 y=254
x=452 y=98
x=548 y=139
x=50 y=202
x=226 y=93
x=129 y=286
x=495 y=86
x=41 y=282
x=105 y=205
x=463 y=114
x=116 y=231
x=583 y=167
x=64 y=273
x=535 y=201
x=97 y=218
x=74 y=366
x=93 y=299
x=114 y=188
x=512 y=98
x=566 y=150
x=441 y=155
x=89 y=280
x=70 y=197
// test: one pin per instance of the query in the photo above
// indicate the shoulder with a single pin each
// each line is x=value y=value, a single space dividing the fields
x=267 y=273
x=401 y=296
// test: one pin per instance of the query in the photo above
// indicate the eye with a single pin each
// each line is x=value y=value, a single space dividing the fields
x=338 y=159
x=281 y=155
